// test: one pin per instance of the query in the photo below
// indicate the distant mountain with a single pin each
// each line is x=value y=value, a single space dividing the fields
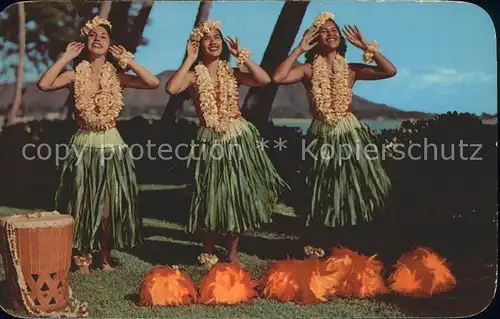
x=290 y=102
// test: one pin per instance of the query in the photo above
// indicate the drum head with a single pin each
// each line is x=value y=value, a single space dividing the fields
x=38 y=220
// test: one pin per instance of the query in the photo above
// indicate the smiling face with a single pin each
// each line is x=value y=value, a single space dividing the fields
x=98 y=41
x=329 y=36
x=211 y=44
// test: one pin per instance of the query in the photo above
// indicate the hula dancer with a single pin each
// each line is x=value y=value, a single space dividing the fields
x=236 y=185
x=345 y=185
x=98 y=184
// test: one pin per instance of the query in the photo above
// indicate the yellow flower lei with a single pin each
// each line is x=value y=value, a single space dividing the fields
x=91 y=24
x=321 y=19
x=217 y=114
x=331 y=93
x=98 y=109
x=197 y=33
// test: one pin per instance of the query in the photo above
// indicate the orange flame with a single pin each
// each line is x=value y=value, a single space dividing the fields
x=359 y=275
x=165 y=286
x=421 y=273
x=325 y=281
x=227 y=283
x=301 y=281
x=281 y=281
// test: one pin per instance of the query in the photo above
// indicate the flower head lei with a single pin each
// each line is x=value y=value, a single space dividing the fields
x=321 y=19
x=204 y=28
x=94 y=23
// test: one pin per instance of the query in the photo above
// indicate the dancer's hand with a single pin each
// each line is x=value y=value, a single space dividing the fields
x=117 y=51
x=234 y=46
x=192 y=50
x=73 y=50
x=307 y=43
x=355 y=37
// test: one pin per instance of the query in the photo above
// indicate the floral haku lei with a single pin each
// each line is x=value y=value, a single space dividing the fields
x=203 y=28
x=95 y=22
x=218 y=105
x=98 y=109
x=370 y=51
x=321 y=19
x=331 y=93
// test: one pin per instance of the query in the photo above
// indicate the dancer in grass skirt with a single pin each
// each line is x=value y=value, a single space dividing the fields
x=345 y=177
x=236 y=185
x=98 y=184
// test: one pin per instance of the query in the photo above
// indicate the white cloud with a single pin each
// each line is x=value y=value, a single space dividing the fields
x=445 y=77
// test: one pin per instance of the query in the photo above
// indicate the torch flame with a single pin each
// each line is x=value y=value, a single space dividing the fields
x=359 y=275
x=301 y=281
x=165 y=286
x=227 y=283
x=421 y=273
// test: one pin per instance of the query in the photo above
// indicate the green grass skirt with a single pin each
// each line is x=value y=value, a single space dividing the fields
x=345 y=176
x=99 y=163
x=236 y=185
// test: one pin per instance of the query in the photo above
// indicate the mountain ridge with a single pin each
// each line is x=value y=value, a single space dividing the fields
x=290 y=102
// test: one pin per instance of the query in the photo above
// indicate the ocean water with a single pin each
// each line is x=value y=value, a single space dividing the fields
x=375 y=125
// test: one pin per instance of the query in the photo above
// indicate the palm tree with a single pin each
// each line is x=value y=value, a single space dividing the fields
x=17 y=100
x=259 y=101
x=119 y=18
x=105 y=9
x=140 y=22
x=175 y=102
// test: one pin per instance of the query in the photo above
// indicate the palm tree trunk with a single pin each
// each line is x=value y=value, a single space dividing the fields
x=118 y=16
x=105 y=9
x=259 y=101
x=16 y=103
x=175 y=102
x=139 y=25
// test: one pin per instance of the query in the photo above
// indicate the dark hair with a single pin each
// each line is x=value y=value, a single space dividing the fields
x=342 y=49
x=225 y=54
x=84 y=55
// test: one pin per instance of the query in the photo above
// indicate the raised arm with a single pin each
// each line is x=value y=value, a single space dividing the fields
x=288 y=71
x=382 y=70
x=143 y=80
x=256 y=76
x=182 y=78
x=54 y=78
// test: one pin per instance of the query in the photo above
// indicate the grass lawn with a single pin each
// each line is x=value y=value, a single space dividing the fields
x=116 y=294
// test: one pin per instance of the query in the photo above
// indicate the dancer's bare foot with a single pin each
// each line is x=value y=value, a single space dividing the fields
x=234 y=260
x=106 y=267
x=313 y=253
x=207 y=260
x=83 y=262
x=84 y=270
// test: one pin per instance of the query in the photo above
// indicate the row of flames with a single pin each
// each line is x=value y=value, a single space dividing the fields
x=344 y=273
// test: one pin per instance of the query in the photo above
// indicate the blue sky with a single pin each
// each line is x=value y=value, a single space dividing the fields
x=444 y=52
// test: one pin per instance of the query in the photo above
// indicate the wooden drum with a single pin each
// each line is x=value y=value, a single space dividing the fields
x=36 y=250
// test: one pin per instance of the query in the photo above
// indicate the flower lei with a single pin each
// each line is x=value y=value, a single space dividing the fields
x=91 y=24
x=208 y=260
x=197 y=33
x=217 y=114
x=321 y=19
x=98 y=109
x=331 y=93
x=314 y=252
